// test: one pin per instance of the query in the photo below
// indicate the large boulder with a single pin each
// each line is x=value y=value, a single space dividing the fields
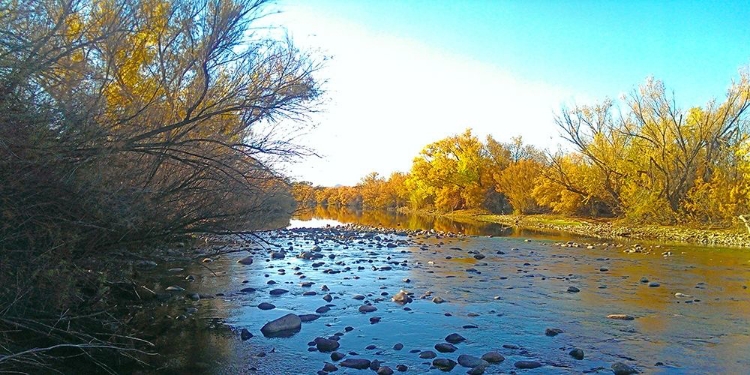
x=287 y=325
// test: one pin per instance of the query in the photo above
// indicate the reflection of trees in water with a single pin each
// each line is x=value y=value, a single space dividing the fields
x=392 y=219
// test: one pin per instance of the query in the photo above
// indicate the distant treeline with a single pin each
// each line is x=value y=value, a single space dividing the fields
x=643 y=159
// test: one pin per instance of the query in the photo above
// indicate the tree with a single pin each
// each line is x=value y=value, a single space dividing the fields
x=448 y=174
x=125 y=122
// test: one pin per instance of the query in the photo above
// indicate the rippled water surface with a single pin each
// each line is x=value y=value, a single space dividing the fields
x=510 y=296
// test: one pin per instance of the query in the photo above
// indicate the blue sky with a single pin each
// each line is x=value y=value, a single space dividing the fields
x=406 y=73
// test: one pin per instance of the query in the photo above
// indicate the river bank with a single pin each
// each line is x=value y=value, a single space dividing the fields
x=605 y=229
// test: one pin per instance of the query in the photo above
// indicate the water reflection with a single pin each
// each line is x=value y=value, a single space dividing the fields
x=398 y=220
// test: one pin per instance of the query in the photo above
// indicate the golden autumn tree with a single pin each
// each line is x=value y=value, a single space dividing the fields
x=447 y=174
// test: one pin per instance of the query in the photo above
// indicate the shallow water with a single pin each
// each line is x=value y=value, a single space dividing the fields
x=510 y=297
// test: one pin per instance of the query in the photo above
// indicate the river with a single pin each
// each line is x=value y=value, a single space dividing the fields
x=505 y=291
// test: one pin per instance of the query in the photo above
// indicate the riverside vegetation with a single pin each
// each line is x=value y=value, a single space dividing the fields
x=127 y=127
x=640 y=162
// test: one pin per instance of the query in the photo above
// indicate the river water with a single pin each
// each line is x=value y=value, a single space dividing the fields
x=691 y=305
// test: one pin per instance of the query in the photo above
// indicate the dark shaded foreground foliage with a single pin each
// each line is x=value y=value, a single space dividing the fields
x=125 y=126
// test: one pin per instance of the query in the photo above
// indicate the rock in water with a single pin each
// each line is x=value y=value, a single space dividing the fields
x=444 y=364
x=248 y=260
x=245 y=334
x=325 y=345
x=470 y=361
x=576 y=353
x=572 y=289
x=357 y=363
x=445 y=347
x=367 y=308
x=553 y=331
x=454 y=338
x=287 y=325
x=620 y=368
x=527 y=364
x=384 y=370
x=493 y=357
x=620 y=316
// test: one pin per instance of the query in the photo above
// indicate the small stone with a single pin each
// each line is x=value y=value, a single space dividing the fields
x=572 y=289
x=175 y=288
x=444 y=364
x=325 y=345
x=246 y=261
x=367 y=308
x=278 y=292
x=470 y=361
x=454 y=338
x=576 y=353
x=653 y=284
x=398 y=346
x=384 y=370
x=322 y=309
x=245 y=334
x=375 y=319
x=553 y=332
x=620 y=317
x=427 y=354
x=493 y=357
x=620 y=368
x=308 y=317
x=330 y=367
x=445 y=347
x=337 y=356
x=527 y=364
x=327 y=298
x=266 y=306
x=356 y=363
x=402 y=368
x=438 y=300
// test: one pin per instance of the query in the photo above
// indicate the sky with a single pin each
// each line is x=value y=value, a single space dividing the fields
x=402 y=74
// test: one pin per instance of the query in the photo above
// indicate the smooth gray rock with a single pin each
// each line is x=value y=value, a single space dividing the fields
x=620 y=368
x=444 y=364
x=454 y=338
x=576 y=353
x=527 y=364
x=325 y=345
x=470 y=361
x=248 y=260
x=287 y=325
x=356 y=363
x=445 y=347
x=493 y=357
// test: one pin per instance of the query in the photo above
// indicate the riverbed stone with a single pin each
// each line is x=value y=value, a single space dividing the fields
x=356 y=363
x=245 y=334
x=620 y=368
x=337 y=356
x=278 y=292
x=367 y=308
x=444 y=364
x=248 y=260
x=402 y=368
x=620 y=317
x=572 y=289
x=308 y=317
x=266 y=306
x=288 y=324
x=527 y=364
x=553 y=332
x=454 y=338
x=398 y=346
x=445 y=347
x=427 y=354
x=329 y=367
x=470 y=361
x=493 y=357
x=576 y=353
x=325 y=345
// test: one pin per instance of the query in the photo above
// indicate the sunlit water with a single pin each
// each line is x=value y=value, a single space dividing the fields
x=510 y=298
